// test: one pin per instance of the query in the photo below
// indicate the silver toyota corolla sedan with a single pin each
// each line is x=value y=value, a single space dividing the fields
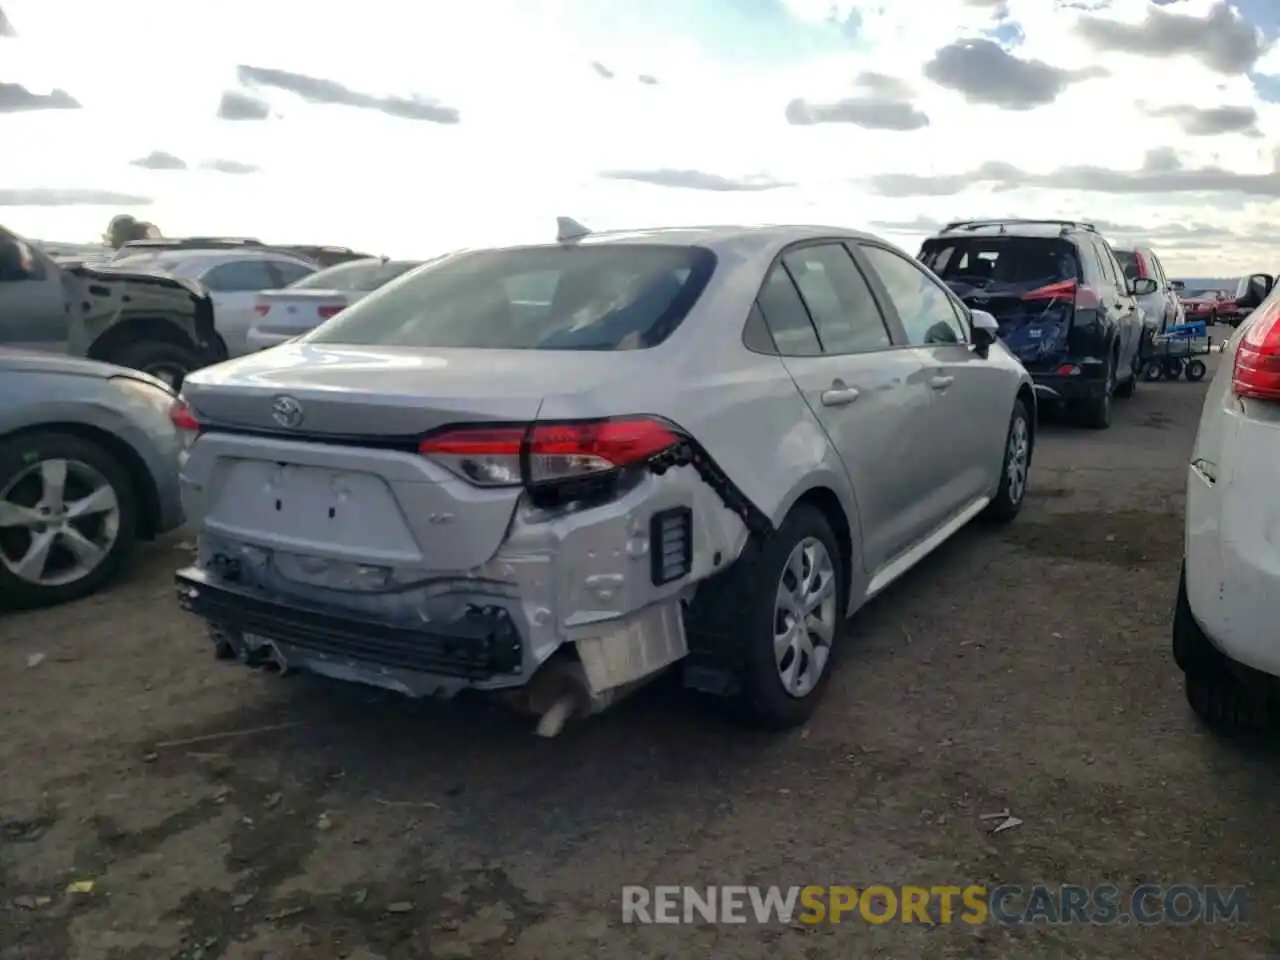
x=88 y=466
x=556 y=470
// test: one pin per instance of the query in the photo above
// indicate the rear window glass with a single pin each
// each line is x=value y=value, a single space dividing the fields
x=147 y=261
x=991 y=262
x=361 y=275
x=1128 y=262
x=606 y=297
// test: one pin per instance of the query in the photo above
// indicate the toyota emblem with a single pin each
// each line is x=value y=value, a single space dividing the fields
x=287 y=411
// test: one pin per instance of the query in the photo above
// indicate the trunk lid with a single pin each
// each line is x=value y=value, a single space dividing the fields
x=296 y=311
x=345 y=483
x=1035 y=328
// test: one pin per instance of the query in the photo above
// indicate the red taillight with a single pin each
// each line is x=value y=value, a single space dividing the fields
x=547 y=452
x=1086 y=298
x=327 y=312
x=184 y=421
x=1257 y=368
x=1054 y=291
x=261 y=309
x=1141 y=262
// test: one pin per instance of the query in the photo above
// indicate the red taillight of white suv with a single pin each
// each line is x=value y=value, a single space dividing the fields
x=538 y=454
x=1257 y=367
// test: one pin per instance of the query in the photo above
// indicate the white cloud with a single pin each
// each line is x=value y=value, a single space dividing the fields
x=538 y=123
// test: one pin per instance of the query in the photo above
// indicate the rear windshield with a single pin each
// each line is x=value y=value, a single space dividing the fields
x=359 y=275
x=145 y=261
x=606 y=297
x=986 y=262
x=1128 y=262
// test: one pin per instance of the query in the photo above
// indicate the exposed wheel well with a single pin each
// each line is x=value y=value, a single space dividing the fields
x=131 y=331
x=829 y=505
x=143 y=486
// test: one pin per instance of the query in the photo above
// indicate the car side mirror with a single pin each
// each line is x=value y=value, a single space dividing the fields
x=1177 y=285
x=986 y=330
x=1142 y=286
x=1255 y=289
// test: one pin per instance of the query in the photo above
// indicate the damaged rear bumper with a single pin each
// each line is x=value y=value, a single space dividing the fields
x=481 y=648
x=482 y=645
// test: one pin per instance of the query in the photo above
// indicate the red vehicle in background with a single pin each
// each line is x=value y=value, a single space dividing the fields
x=1207 y=305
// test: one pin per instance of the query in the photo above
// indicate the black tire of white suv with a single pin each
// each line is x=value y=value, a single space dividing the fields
x=1214 y=690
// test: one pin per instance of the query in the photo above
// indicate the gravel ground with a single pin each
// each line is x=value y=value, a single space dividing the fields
x=1026 y=668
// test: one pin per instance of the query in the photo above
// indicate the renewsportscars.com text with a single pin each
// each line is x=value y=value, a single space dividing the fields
x=972 y=904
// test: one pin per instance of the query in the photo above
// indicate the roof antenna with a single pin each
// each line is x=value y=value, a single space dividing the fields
x=568 y=230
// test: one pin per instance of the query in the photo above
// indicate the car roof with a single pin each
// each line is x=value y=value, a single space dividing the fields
x=747 y=238
x=217 y=257
x=1015 y=228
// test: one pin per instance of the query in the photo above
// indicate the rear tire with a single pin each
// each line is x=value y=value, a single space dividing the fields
x=757 y=620
x=1096 y=413
x=1216 y=695
x=1196 y=370
x=66 y=572
x=1015 y=468
x=1129 y=387
x=166 y=361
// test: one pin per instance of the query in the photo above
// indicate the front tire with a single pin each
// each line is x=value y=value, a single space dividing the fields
x=791 y=594
x=68 y=517
x=1014 y=469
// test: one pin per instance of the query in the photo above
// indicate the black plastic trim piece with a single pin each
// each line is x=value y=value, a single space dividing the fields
x=479 y=646
x=657 y=524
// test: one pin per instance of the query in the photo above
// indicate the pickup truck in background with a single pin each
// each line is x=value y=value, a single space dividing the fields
x=158 y=324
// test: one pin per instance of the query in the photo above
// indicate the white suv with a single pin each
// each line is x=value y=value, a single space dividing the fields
x=1225 y=633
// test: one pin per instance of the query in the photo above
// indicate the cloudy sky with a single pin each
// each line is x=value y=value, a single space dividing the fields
x=410 y=127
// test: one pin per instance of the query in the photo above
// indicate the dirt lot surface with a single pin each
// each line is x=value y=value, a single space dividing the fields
x=1026 y=668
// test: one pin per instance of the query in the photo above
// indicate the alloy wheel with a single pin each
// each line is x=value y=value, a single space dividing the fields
x=805 y=617
x=1016 y=459
x=59 y=520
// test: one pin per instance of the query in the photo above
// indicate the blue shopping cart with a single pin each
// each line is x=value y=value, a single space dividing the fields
x=1175 y=351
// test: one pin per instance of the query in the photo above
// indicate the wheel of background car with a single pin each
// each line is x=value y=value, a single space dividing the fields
x=1096 y=413
x=1195 y=370
x=1014 y=469
x=68 y=515
x=167 y=361
x=1152 y=371
x=789 y=598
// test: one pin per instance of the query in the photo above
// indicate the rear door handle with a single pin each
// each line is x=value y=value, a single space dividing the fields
x=941 y=383
x=839 y=396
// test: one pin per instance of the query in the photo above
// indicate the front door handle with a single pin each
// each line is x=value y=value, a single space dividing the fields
x=839 y=395
x=941 y=383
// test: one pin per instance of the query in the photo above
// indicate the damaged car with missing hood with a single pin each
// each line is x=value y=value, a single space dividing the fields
x=552 y=471
x=159 y=325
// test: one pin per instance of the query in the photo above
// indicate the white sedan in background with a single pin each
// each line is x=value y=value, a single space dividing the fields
x=234 y=278
x=284 y=314
x=1226 y=626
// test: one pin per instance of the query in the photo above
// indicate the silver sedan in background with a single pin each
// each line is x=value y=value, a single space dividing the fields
x=304 y=305
x=88 y=467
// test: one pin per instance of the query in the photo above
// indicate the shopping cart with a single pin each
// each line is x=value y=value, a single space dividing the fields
x=1174 y=352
